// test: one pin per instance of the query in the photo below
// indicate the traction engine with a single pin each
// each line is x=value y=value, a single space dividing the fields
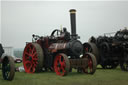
x=8 y=65
x=59 y=52
x=110 y=51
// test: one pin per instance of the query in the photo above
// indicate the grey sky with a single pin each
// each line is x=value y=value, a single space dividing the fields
x=21 y=19
x=0 y=21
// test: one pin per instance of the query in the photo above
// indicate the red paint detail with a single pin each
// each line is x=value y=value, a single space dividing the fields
x=46 y=42
x=90 y=64
x=86 y=49
x=59 y=65
x=30 y=58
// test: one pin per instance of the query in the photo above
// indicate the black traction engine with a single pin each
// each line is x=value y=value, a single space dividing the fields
x=110 y=51
x=59 y=52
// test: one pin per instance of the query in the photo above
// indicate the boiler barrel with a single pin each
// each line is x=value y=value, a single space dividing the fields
x=73 y=47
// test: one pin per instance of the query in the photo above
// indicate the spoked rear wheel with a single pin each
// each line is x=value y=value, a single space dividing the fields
x=91 y=68
x=8 y=68
x=33 y=58
x=61 y=64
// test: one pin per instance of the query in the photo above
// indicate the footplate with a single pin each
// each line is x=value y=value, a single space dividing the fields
x=78 y=63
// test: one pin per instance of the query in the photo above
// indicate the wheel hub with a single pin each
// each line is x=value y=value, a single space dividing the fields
x=30 y=58
x=59 y=65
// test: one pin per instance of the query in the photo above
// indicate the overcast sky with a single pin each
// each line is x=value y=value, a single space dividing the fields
x=22 y=19
x=0 y=21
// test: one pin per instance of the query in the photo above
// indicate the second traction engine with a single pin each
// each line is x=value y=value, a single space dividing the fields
x=59 y=52
x=110 y=51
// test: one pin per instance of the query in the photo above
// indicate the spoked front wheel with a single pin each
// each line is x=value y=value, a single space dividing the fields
x=61 y=64
x=8 y=68
x=91 y=67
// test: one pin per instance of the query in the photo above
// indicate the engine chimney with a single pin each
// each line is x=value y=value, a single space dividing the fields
x=73 y=23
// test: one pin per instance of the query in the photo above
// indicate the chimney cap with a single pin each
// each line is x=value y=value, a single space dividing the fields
x=72 y=10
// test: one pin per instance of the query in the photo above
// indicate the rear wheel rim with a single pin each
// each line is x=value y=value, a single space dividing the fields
x=30 y=58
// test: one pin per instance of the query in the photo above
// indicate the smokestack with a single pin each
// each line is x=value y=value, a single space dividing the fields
x=73 y=22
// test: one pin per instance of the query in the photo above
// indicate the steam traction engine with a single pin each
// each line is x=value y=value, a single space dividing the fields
x=8 y=66
x=110 y=50
x=59 y=52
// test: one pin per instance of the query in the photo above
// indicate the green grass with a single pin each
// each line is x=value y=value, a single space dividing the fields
x=101 y=77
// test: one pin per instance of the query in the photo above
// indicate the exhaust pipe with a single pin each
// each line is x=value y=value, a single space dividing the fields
x=73 y=23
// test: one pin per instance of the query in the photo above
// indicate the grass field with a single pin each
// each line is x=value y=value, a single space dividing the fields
x=101 y=77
